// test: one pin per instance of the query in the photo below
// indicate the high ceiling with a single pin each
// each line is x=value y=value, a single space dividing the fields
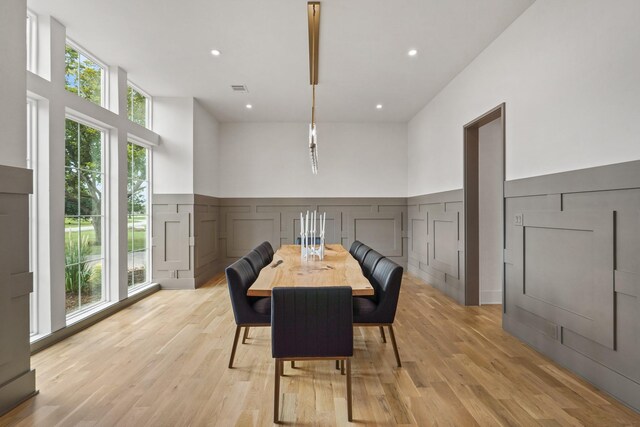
x=165 y=47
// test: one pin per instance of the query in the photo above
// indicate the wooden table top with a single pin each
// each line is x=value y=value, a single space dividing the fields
x=338 y=268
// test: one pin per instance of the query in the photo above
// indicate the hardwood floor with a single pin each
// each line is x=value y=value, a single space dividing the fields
x=163 y=362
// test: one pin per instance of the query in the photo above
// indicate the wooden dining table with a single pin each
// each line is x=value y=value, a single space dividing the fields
x=288 y=268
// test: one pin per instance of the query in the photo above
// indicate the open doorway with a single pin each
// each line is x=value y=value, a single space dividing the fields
x=484 y=142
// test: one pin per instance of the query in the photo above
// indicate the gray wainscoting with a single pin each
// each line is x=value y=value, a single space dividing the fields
x=195 y=237
x=185 y=240
x=436 y=241
x=572 y=272
x=17 y=379
x=378 y=222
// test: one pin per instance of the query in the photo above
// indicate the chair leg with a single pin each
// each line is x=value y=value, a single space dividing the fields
x=293 y=364
x=276 y=391
x=235 y=344
x=384 y=338
x=337 y=364
x=349 y=400
x=342 y=367
x=395 y=346
x=246 y=334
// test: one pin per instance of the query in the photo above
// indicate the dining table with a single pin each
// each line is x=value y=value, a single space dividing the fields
x=288 y=268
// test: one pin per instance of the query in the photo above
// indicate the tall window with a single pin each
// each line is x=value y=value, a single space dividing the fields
x=138 y=106
x=138 y=223
x=84 y=75
x=33 y=211
x=84 y=216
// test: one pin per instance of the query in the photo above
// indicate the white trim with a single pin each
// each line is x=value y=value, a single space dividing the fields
x=32 y=162
x=104 y=83
x=32 y=42
x=86 y=120
x=140 y=141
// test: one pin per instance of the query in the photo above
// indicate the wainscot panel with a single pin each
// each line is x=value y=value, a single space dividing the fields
x=436 y=241
x=17 y=379
x=572 y=272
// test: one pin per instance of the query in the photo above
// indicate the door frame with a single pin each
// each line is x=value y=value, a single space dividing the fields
x=471 y=202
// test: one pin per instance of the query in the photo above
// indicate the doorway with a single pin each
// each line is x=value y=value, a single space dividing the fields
x=484 y=174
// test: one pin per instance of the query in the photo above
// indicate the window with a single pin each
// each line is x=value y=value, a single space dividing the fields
x=84 y=247
x=33 y=211
x=32 y=25
x=138 y=222
x=138 y=106
x=84 y=75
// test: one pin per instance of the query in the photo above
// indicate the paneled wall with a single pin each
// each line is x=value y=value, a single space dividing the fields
x=378 y=222
x=185 y=240
x=17 y=379
x=572 y=265
x=436 y=241
x=196 y=236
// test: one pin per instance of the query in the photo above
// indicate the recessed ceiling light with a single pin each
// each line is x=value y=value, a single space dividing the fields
x=215 y=52
x=249 y=106
x=413 y=52
x=379 y=106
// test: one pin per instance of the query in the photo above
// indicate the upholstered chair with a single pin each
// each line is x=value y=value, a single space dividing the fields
x=381 y=311
x=247 y=311
x=311 y=324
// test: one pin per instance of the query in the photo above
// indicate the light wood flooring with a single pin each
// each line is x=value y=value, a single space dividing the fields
x=163 y=362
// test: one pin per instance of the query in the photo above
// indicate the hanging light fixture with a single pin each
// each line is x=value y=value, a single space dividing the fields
x=313 y=12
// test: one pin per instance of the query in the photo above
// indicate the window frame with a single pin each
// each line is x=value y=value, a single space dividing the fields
x=148 y=107
x=105 y=209
x=104 y=79
x=32 y=41
x=32 y=162
x=149 y=147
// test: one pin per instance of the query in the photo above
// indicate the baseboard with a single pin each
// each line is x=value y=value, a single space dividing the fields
x=17 y=390
x=490 y=297
x=173 y=284
x=605 y=379
x=434 y=282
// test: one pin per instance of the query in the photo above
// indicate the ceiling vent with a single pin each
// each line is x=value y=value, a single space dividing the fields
x=239 y=88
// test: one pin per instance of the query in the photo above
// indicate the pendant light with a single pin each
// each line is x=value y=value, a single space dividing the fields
x=313 y=12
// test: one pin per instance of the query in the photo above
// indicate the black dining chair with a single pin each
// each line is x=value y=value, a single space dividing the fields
x=247 y=311
x=311 y=324
x=317 y=240
x=256 y=261
x=381 y=310
x=361 y=252
x=269 y=249
x=354 y=246
x=264 y=252
x=370 y=261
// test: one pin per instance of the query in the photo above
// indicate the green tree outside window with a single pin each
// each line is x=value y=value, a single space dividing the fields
x=83 y=76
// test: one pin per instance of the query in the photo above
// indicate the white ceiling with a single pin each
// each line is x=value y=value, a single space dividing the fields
x=164 y=45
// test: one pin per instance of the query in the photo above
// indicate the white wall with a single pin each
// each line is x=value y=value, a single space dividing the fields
x=173 y=158
x=206 y=152
x=272 y=160
x=490 y=240
x=569 y=72
x=13 y=86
